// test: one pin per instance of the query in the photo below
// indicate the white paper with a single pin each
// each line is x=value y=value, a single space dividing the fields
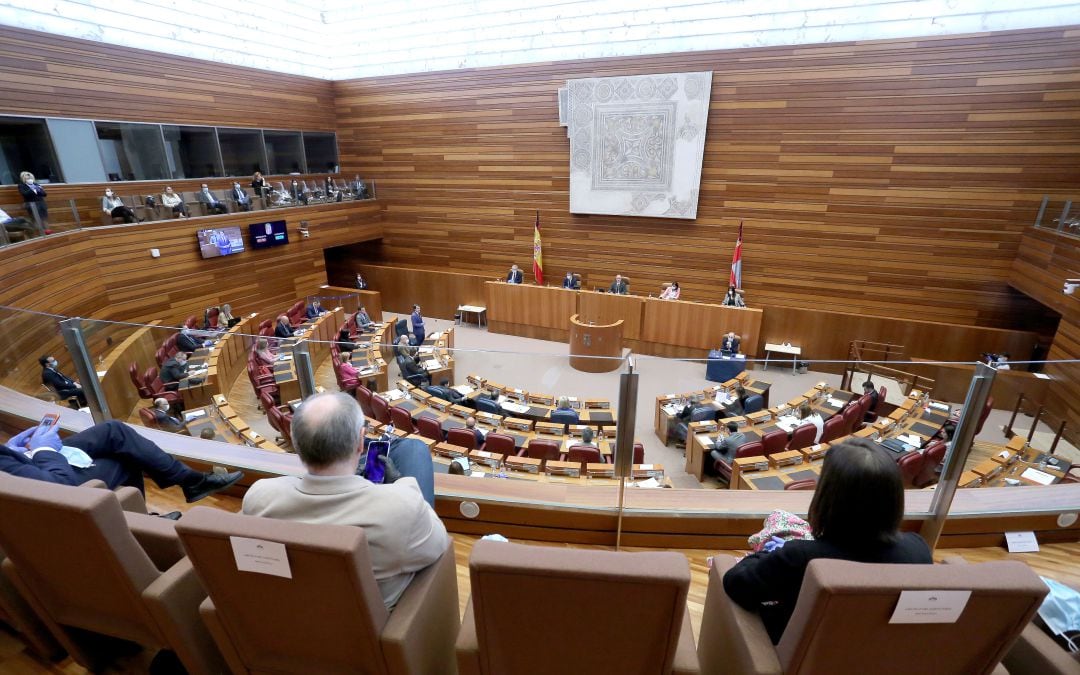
x=463 y=389
x=649 y=483
x=195 y=414
x=1021 y=542
x=261 y=556
x=930 y=606
x=1040 y=477
x=1042 y=376
x=645 y=467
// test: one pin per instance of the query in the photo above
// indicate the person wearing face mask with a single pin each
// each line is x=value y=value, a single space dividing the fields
x=299 y=193
x=173 y=201
x=240 y=197
x=259 y=185
x=64 y=386
x=114 y=206
x=209 y=201
x=174 y=370
x=34 y=199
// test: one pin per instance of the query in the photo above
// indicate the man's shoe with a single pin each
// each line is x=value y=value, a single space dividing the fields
x=211 y=483
x=171 y=515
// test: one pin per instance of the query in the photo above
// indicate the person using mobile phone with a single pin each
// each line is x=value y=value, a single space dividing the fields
x=403 y=532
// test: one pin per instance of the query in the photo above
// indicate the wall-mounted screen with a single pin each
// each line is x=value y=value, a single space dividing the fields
x=220 y=241
x=265 y=235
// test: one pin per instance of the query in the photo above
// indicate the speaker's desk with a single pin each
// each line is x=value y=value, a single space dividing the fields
x=595 y=348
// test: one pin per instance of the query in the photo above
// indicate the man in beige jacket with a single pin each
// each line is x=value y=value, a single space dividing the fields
x=403 y=533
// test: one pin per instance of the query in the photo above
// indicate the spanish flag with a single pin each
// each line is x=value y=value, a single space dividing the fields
x=538 y=258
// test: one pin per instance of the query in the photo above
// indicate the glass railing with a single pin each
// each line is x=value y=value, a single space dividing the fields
x=1059 y=215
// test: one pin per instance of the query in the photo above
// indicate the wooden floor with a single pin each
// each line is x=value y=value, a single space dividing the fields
x=1057 y=561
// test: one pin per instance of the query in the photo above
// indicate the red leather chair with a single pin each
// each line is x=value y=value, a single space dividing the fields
x=911 y=465
x=212 y=317
x=190 y=321
x=984 y=414
x=363 y=396
x=461 y=437
x=834 y=429
x=933 y=456
x=583 y=454
x=266 y=398
x=851 y=417
x=500 y=443
x=751 y=449
x=170 y=346
x=802 y=437
x=146 y=416
x=266 y=328
x=639 y=453
x=140 y=386
x=429 y=427
x=281 y=422
x=380 y=409
x=402 y=419
x=806 y=484
x=865 y=401
x=160 y=356
x=544 y=449
x=157 y=387
x=774 y=441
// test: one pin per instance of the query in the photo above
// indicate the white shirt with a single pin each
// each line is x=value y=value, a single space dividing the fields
x=816 y=420
x=4 y=217
x=170 y=200
x=404 y=534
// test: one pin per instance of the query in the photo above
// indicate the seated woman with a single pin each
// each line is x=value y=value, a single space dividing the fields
x=344 y=340
x=264 y=358
x=855 y=515
x=733 y=298
x=808 y=416
x=171 y=200
x=226 y=318
x=114 y=206
x=671 y=292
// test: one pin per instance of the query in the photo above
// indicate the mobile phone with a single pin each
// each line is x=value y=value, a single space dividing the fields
x=48 y=421
x=374 y=470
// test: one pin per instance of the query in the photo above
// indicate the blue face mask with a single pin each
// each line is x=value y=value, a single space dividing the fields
x=1061 y=609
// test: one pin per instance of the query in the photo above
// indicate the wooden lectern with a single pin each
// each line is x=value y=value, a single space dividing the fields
x=588 y=341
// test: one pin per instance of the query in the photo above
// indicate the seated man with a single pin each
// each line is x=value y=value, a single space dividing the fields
x=411 y=368
x=515 y=276
x=443 y=391
x=210 y=202
x=363 y=321
x=404 y=348
x=174 y=370
x=403 y=533
x=171 y=200
x=737 y=406
x=871 y=412
x=64 y=386
x=283 y=329
x=570 y=282
x=187 y=341
x=23 y=225
x=587 y=438
x=360 y=283
x=470 y=425
x=164 y=419
x=724 y=448
x=240 y=196
x=619 y=286
x=111 y=452
x=314 y=310
x=730 y=344
x=563 y=413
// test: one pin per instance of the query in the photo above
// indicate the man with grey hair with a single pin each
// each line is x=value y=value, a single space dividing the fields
x=164 y=416
x=403 y=533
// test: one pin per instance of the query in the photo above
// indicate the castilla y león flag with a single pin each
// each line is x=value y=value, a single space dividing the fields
x=736 y=262
x=538 y=258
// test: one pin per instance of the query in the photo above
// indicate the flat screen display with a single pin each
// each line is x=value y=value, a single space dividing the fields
x=265 y=235
x=220 y=241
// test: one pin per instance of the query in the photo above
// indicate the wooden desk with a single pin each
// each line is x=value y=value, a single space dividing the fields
x=697 y=325
x=137 y=348
x=669 y=405
x=607 y=308
x=951 y=381
x=588 y=341
x=355 y=298
x=529 y=311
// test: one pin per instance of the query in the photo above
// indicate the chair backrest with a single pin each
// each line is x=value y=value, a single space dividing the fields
x=639 y=453
x=461 y=436
x=805 y=484
x=802 y=437
x=541 y=448
x=911 y=465
x=489 y=406
x=834 y=428
x=584 y=454
x=500 y=443
x=190 y=321
x=146 y=415
x=102 y=592
x=985 y=413
x=851 y=417
x=268 y=623
x=702 y=413
x=402 y=419
x=152 y=381
x=630 y=603
x=363 y=396
x=754 y=403
x=401 y=328
x=751 y=449
x=380 y=409
x=864 y=404
x=774 y=441
x=429 y=427
x=856 y=600
x=933 y=455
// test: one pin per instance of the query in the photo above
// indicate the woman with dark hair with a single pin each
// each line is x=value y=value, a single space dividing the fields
x=855 y=515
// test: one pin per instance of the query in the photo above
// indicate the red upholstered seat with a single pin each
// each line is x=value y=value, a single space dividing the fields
x=428 y=427
x=500 y=443
x=380 y=409
x=911 y=465
x=774 y=441
x=933 y=456
x=544 y=449
x=751 y=449
x=462 y=437
x=146 y=416
x=639 y=453
x=402 y=419
x=802 y=437
x=806 y=484
x=363 y=396
x=834 y=429
x=584 y=454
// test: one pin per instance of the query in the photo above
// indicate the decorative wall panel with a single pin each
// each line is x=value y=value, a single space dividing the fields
x=636 y=143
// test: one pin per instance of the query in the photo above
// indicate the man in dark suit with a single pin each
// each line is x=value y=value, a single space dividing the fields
x=724 y=448
x=470 y=425
x=119 y=456
x=569 y=282
x=314 y=310
x=161 y=414
x=283 y=329
x=736 y=407
x=871 y=412
x=174 y=370
x=209 y=201
x=619 y=286
x=410 y=367
x=363 y=321
x=240 y=196
x=360 y=283
x=417 y=321
x=515 y=276
x=64 y=386
x=186 y=342
x=563 y=413
x=730 y=344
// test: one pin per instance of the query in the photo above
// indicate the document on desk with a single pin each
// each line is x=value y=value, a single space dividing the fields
x=426 y=350
x=432 y=364
x=672 y=410
x=515 y=407
x=463 y=389
x=1036 y=476
x=393 y=395
x=194 y=415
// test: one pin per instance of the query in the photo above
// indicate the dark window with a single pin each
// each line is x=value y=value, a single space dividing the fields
x=321 y=150
x=25 y=146
x=131 y=151
x=285 y=151
x=242 y=151
x=192 y=152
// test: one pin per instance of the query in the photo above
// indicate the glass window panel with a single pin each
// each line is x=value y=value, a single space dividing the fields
x=285 y=151
x=242 y=151
x=25 y=146
x=131 y=151
x=76 y=143
x=321 y=150
x=192 y=152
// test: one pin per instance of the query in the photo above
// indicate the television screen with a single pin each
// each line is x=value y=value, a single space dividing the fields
x=264 y=235
x=220 y=241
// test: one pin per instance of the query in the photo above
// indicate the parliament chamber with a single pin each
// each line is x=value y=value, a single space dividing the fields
x=893 y=212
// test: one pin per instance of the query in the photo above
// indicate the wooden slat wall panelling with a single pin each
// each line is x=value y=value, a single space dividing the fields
x=890 y=178
x=1045 y=260
x=438 y=293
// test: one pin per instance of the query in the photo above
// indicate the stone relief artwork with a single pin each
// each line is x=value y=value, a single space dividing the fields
x=636 y=143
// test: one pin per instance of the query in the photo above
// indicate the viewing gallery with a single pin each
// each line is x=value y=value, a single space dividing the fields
x=739 y=342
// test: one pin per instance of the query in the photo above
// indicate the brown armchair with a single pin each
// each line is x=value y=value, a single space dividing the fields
x=538 y=609
x=75 y=557
x=841 y=621
x=329 y=616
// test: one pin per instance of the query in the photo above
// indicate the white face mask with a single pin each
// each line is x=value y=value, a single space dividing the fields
x=52 y=363
x=108 y=193
x=30 y=180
